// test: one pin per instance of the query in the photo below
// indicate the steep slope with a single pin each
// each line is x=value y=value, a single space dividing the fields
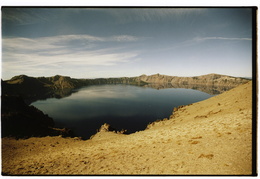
x=209 y=137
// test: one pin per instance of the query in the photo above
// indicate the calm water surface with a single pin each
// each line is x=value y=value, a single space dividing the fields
x=121 y=106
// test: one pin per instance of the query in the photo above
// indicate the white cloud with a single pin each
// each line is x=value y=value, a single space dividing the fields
x=123 y=38
x=197 y=39
x=23 y=55
x=58 y=42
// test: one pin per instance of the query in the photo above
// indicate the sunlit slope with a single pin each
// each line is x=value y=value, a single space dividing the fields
x=209 y=137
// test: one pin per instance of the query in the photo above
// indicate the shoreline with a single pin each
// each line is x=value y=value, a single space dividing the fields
x=212 y=137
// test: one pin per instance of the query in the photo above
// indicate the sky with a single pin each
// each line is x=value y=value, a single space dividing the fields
x=126 y=42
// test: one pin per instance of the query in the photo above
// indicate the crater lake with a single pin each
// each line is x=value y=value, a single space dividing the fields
x=122 y=106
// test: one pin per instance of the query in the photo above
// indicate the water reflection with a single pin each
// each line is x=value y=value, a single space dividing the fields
x=210 y=89
x=42 y=95
x=32 y=96
x=123 y=106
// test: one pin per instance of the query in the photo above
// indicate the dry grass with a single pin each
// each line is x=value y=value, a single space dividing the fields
x=210 y=137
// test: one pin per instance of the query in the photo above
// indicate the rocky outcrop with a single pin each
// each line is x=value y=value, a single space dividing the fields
x=107 y=128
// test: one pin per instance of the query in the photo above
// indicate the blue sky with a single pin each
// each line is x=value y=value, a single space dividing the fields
x=116 y=42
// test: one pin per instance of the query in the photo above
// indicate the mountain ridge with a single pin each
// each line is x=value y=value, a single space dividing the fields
x=59 y=81
x=59 y=86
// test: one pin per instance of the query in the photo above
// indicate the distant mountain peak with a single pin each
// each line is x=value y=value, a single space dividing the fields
x=19 y=77
x=57 y=77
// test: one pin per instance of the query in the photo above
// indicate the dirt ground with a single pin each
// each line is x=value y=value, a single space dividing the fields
x=211 y=137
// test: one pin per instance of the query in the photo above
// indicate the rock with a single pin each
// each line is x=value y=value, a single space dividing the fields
x=107 y=128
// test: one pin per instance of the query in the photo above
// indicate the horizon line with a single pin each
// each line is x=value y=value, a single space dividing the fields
x=250 y=77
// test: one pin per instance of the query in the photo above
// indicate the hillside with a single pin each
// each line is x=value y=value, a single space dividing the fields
x=64 y=82
x=34 y=88
x=210 y=79
x=210 y=137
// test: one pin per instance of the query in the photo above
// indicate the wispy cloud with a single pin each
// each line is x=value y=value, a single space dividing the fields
x=50 y=42
x=60 y=44
x=22 y=55
x=25 y=16
x=152 y=14
x=198 y=39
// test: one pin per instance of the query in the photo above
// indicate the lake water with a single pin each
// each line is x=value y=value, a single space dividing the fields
x=122 y=106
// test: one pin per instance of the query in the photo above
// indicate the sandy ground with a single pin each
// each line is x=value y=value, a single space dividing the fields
x=211 y=137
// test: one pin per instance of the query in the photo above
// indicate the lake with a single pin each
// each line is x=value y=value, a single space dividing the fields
x=122 y=106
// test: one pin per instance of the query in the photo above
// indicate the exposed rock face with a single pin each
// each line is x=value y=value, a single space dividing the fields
x=59 y=82
x=210 y=79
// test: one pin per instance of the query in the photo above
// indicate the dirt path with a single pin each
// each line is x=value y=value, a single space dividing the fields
x=210 y=137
